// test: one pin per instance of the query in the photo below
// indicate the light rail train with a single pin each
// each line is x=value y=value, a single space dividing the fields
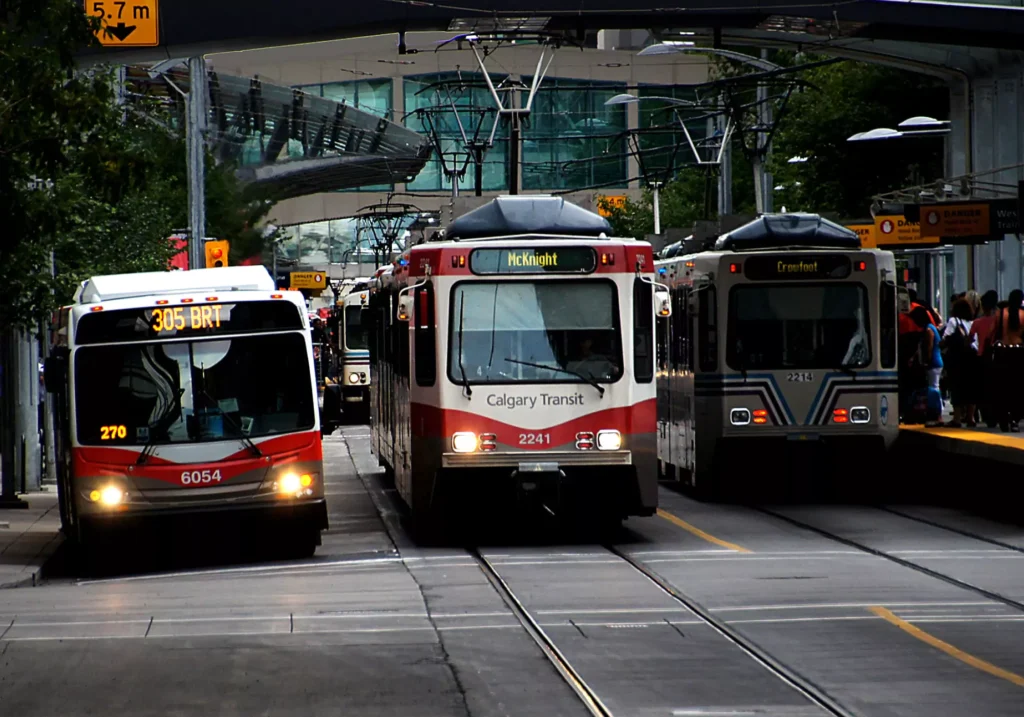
x=781 y=353
x=516 y=357
x=353 y=353
x=184 y=393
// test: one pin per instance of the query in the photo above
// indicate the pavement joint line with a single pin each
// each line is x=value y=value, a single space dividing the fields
x=947 y=648
x=148 y=628
x=613 y=611
x=7 y=629
x=679 y=522
x=742 y=558
x=820 y=618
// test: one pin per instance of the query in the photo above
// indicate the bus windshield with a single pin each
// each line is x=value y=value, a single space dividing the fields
x=355 y=334
x=805 y=326
x=189 y=391
x=564 y=328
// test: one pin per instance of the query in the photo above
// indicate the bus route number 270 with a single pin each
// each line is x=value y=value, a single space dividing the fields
x=200 y=477
x=534 y=439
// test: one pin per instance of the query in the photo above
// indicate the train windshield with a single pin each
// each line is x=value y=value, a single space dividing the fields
x=355 y=334
x=806 y=326
x=193 y=391
x=534 y=332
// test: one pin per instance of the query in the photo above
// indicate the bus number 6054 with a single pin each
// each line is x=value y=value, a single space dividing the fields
x=197 y=477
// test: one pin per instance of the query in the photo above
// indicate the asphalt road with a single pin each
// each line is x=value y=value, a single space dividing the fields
x=376 y=625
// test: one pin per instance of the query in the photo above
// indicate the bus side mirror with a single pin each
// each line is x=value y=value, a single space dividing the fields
x=663 y=303
x=55 y=374
x=404 y=307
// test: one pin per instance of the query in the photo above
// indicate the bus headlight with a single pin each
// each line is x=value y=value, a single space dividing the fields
x=295 y=485
x=353 y=378
x=464 y=442
x=109 y=495
x=609 y=440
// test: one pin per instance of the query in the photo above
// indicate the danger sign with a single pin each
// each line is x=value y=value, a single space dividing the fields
x=308 y=280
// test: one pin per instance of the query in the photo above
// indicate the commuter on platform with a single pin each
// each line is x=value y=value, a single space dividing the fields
x=983 y=331
x=960 y=359
x=928 y=401
x=1008 y=364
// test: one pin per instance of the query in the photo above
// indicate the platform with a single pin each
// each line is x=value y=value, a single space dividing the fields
x=981 y=442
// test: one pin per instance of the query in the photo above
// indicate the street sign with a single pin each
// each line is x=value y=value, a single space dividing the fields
x=866 y=232
x=895 y=231
x=127 y=23
x=619 y=202
x=308 y=280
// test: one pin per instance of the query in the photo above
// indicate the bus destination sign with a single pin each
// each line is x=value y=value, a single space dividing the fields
x=534 y=260
x=797 y=267
x=192 y=320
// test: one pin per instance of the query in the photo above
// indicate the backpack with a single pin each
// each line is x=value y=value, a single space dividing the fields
x=956 y=347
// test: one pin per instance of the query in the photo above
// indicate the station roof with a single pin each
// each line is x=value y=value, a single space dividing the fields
x=788 y=230
x=528 y=214
x=123 y=286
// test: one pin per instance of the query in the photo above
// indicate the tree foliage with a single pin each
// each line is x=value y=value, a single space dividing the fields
x=97 y=185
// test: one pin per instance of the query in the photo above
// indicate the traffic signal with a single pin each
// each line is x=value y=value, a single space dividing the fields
x=216 y=253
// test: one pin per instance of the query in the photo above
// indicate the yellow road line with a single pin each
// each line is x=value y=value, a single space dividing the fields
x=700 y=533
x=947 y=648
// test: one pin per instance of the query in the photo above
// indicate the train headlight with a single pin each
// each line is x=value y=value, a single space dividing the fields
x=609 y=440
x=353 y=378
x=860 y=414
x=739 y=416
x=464 y=442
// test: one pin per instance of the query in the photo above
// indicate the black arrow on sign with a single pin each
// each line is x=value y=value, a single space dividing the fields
x=121 y=32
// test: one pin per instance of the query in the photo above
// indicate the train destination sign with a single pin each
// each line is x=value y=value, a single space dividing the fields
x=797 y=266
x=534 y=260
x=189 y=320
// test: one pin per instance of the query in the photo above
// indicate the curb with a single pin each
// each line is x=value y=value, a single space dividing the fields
x=35 y=574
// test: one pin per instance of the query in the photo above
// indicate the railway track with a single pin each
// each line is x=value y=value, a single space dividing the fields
x=952 y=529
x=589 y=696
x=904 y=562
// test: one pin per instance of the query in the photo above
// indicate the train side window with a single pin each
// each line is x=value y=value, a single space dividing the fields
x=707 y=328
x=887 y=325
x=661 y=338
x=425 y=337
x=643 y=320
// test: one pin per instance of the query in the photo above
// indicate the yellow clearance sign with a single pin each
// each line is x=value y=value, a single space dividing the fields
x=866 y=232
x=896 y=231
x=955 y=220
x=619 y=202
x=308 y=280
x=126 y=23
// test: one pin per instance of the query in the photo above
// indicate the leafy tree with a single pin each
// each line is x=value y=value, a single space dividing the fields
x=98 y=185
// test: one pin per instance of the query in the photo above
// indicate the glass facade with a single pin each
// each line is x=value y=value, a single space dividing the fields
x=572 y=140
x=420 y=92
x=336 y=241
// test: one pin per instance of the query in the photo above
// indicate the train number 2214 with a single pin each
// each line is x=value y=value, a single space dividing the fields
x=535 y=439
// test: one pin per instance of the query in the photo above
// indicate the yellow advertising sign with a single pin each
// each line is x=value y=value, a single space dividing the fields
x=127 y=23
x=896 y=231
x=866 y=232
x=955 y=220
x=619 y=202
x=308 y=280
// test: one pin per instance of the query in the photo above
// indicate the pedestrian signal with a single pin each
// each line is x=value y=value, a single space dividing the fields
x=216 y=254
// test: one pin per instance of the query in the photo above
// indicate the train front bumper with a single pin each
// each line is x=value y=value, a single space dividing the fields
x=518 y=460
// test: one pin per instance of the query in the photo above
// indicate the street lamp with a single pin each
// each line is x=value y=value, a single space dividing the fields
x=912 y=127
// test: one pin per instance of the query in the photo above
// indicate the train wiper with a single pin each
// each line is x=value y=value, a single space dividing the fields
x=846 y=369
x=580 y=376
x=462 y=369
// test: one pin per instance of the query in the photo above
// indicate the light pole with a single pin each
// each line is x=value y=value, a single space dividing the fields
x=273 y=245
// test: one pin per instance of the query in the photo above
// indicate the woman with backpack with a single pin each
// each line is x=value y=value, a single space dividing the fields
x=960 y=358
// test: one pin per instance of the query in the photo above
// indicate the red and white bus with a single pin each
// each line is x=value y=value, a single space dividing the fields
x=187 y=392
x=516 y=355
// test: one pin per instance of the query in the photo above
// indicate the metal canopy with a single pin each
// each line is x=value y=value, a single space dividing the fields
x=787 y=230
x=293 y=143
x=248 y=24
x=528 y=214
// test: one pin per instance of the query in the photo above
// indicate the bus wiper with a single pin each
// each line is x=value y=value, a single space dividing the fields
x=580 y=376
x=465 y=381
x=150 y=446
x=253 y=448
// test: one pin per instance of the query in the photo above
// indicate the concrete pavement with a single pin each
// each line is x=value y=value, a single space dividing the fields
x=28 y=538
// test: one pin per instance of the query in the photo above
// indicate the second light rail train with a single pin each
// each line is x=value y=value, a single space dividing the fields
x=780 y=354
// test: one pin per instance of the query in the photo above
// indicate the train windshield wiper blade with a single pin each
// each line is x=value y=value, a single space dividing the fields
x=465 y=381
x=580 y=376
x=848 y=370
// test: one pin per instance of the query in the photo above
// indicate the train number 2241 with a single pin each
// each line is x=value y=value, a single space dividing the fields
x=198 y=477
x=534 y=439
